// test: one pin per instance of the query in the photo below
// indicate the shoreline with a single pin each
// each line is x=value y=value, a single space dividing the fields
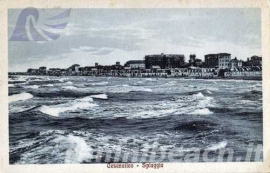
x=255 y=78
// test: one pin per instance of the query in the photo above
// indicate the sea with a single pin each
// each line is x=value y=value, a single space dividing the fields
x=84 y=119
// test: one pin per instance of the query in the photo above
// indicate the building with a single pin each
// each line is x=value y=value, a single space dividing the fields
x=192 y=58
x=253 y=61
x=164 y=61
x=42 y=70
x=117 y=66
x=74 y=68
x=135 y=64
x=54 y=71
x=223 y=60
x=211 y=61
x=235 y=63
x=33 y=71
x=194 y=62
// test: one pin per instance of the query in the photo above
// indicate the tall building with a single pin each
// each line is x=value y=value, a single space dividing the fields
x=192 y=58
x=164 y=61
x=223 y=60
x=211 y=61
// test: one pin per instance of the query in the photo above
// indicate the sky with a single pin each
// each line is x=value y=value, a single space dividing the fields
x=109 y=35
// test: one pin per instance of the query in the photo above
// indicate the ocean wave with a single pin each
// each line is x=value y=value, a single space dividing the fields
x=203 y=111
x=203 y=101
x=69 y=87
x=17 y=79
x=150 y=113
x=127 y=89
x=86 y=99
x=198 y=95
x=171 y=83
x=209 y=92
x=11 y=85
x=99 y=83
x=195 y=126
x=48 y=85
x=77 y=149
x=19 y=97
x=137 y=89
x=55 y=110
x=31 y=86
x=69 y=83
x=139 y=83
x=217 y=146
x=56 y=145
x=100 y=96
x=143 y=89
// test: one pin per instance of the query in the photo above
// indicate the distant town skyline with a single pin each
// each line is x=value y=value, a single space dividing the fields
x=109 y=35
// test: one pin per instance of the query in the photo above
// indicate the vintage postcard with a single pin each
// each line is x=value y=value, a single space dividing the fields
x=114 y=86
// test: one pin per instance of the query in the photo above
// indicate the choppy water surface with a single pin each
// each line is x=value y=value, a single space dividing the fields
x=65 y=119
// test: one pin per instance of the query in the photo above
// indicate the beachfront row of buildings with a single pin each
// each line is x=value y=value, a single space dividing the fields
x=164 y=65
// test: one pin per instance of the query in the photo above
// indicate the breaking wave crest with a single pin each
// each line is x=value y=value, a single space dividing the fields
x=32 y=86
x=100 y=96
x=55 y=110
x=99 y=83
x=69 y=87
x=203 y=111
x=19 y=97
x=217 y=146
x=58 y=147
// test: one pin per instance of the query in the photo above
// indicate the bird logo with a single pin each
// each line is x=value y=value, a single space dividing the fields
x=28 y=29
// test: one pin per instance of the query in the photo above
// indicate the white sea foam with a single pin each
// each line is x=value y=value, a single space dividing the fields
x=69 y=82
x=86 y=99
x=139 y=82
x=77 y=149
x=100 y=96
x=171 y=83
x=31 y=86
x=11 y=85
x=141 y=89
x=146 y=90
x=203 y=101
x=19 y=97
x=198 y=95
x=100 y=83
x=19 y=79
x=59 y=147
x=55 y=110
x=217 y=146
x=60 y=80
x=153 y=113
x=203 y=111
x=36 y=80
x=209 y=92
x=69 y=87
x=49 y=85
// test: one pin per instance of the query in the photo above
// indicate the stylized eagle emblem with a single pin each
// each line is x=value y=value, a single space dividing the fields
x=26 y=28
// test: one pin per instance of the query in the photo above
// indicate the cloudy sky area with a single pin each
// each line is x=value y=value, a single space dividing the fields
x=109 y=35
